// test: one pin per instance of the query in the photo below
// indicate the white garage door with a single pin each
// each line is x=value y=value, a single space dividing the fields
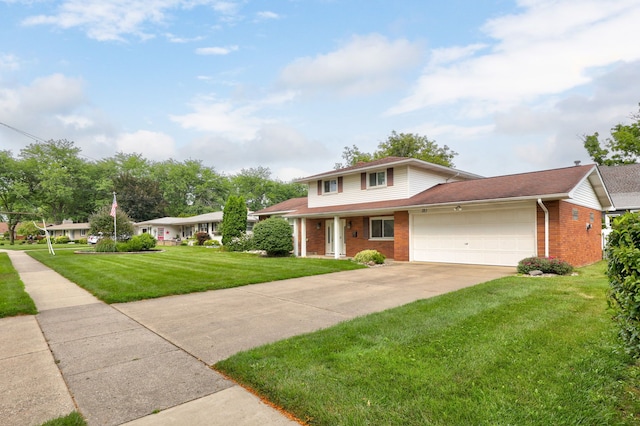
x=484 y=237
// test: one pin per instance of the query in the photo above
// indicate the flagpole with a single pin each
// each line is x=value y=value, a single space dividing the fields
x=114 y=206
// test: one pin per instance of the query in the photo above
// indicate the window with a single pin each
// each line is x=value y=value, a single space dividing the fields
x=83 y=232
x=382 y=227
x=202 y=227
x=574 y=213
x=377 y=179
x=330 y=186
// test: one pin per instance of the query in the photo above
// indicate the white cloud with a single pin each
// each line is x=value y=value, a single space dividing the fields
x=548 y=48
x=107 y=20
x=266 y=15
x=154 y=146
x=216 y=50
x=365 y=64
x=9 y=62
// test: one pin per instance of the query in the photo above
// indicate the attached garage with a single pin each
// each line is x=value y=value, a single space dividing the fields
x=476 y=235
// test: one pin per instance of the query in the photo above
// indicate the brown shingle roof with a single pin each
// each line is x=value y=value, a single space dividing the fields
x=557 y=183
x=624 y=178
x=283 y=207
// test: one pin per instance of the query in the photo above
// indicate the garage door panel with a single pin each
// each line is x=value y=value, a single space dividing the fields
x=500 y=237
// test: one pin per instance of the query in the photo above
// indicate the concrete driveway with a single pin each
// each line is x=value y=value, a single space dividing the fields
x=213 y=326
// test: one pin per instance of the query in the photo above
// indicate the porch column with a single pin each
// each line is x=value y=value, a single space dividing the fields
x=337 y=246
x=303 y=237
x=295 y=237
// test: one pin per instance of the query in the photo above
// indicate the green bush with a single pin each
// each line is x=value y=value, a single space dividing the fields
x=212 y=243
x=80 y=241
x=106 y=245
x=62 y=239
x=273 y=235
x=234 y=219
x=242 y=243
x=623 y=254
x=369 y=256
x=547 y=265
x=147 y=240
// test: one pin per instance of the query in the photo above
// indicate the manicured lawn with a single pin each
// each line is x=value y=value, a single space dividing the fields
x=13 y=299
x=518 y=350
x=178 y=270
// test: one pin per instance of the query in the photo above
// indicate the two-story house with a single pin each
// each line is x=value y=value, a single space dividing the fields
x=411 y=210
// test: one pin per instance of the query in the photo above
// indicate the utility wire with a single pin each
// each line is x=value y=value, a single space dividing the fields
x=22 y=132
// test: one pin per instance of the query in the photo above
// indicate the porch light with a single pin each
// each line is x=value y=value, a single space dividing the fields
x=349 y=225
x=318 y=225
x=457 y=209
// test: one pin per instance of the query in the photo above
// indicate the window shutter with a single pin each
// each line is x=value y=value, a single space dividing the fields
x=320 y=187
x=390 y=176
x=340 y=184
x=365 y=228
x=363 y=181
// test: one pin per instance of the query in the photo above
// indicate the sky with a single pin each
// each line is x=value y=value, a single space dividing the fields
x=511 y=86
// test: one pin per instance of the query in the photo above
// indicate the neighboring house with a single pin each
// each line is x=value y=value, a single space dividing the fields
x=74 y=231
x=177 y=228
x=623 y=184
x=411 y=210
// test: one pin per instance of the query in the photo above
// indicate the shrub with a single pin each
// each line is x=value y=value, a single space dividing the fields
x=234 y=219
x=62 y=239
x=369 y=256
x=106 y=245
x=201 y=237
x=623 y=254
x=547 y=265
x=242 y=243
x=147 y=240
x=212 y=243
x=273 y=236
x=80 y=241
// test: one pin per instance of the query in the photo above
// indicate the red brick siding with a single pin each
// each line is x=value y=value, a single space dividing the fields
x=357 y=239
x=569 y=239
x=401 y=236
x=315 y=236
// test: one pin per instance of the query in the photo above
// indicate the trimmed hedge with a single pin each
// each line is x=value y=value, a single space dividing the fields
x=548 y=265
x=623 y=254
x=274 y=236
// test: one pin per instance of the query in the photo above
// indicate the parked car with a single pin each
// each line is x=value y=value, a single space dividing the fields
x=93 y=239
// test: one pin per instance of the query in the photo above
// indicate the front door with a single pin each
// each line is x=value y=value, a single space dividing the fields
x=330 y=236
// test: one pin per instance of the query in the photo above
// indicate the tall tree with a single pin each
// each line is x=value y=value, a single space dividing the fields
x=253 y=185
x=101 y=223
x=140 y=197
x=14 y=193
x=623 y=147
x=234 y=219
x=60 y=180
x=402 y=145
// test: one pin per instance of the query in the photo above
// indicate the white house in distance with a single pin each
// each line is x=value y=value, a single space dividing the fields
x=173 y=229
x=74 y=231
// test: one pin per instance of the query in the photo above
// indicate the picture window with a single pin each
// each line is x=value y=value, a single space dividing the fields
x=382 y=227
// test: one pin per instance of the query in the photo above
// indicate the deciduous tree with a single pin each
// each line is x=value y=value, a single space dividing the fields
x=623 y=147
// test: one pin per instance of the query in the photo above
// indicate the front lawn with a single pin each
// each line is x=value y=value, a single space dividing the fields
x=518 y=350
x=117 y=278
x=13 y=299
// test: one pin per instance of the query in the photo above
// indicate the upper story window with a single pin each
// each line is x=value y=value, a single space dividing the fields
x=377 y=179
x=330 y=186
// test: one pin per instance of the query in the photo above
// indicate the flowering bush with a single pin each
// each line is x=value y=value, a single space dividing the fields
x=548 y=265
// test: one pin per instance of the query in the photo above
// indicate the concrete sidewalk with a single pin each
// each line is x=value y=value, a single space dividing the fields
x=113 y=368
x=122 y=363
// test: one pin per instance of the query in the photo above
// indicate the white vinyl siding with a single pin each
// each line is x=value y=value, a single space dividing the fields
x=584 y=195
x=352 y=193
x=420 y=180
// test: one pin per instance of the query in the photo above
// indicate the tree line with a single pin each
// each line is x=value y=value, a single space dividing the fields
x=53 y=181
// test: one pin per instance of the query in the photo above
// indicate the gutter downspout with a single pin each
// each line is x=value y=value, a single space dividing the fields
x=546 y=227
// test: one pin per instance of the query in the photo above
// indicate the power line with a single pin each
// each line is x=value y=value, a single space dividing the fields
x=22 y=132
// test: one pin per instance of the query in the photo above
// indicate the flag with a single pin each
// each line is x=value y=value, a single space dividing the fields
x=114 y=206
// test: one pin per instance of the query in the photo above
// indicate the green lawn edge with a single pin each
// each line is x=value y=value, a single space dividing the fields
x=14 y=300
x=517 y=350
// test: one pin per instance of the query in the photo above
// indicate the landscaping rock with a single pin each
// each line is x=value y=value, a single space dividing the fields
x=535 y=273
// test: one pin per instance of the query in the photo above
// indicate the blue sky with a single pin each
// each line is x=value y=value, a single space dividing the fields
x=509 y=85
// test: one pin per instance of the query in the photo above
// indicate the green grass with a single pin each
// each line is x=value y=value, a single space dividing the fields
x=28 y=247
x=73 y=419
x=178 y=270
x=13 y=299
x=514 y=351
